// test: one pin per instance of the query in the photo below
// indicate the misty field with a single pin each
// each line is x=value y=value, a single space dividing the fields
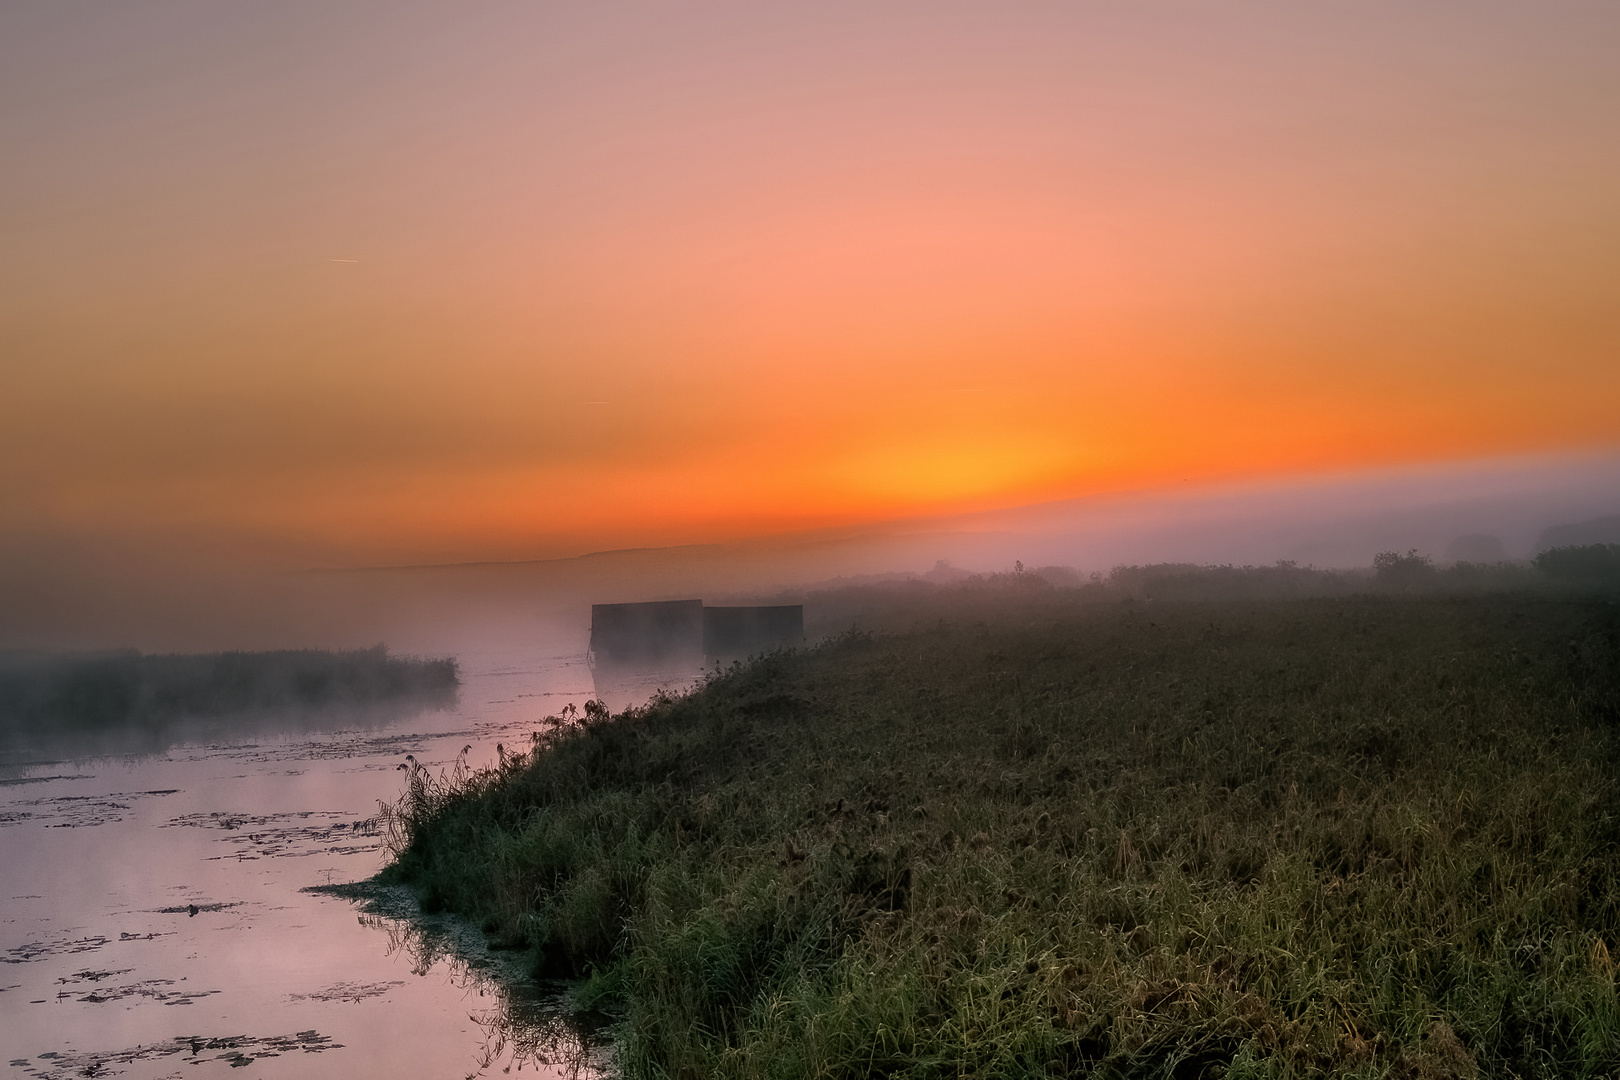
x=1361 y=835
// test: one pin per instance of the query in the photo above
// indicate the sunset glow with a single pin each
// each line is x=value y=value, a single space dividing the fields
x=502 y=282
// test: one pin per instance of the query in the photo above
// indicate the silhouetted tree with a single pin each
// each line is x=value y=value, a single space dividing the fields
x=1393 y=568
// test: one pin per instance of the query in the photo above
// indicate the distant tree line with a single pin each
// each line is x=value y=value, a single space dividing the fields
x=1592 y=568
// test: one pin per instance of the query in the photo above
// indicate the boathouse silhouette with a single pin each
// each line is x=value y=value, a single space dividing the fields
x=667 y=633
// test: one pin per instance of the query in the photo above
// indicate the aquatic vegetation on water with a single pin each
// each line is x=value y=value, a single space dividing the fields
x=235 y=1051
x=1361 y=836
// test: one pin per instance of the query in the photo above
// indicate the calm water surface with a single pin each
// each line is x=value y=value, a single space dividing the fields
x=154 y=923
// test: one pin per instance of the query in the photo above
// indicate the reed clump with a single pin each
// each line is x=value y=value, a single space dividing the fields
x=1360 y=836
x=125 y=701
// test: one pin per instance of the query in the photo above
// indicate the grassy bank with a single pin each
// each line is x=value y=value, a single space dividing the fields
x=1362 y=836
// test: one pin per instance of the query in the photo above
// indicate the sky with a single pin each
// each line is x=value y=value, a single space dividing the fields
x=364 y=284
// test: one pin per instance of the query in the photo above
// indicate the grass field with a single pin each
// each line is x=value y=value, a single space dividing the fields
x=1020 y=834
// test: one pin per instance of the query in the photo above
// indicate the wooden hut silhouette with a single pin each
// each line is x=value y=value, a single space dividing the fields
x=668 y=633
x=741 y=631
x=657 y=634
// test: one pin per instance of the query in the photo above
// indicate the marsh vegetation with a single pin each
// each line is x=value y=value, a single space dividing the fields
x=1019 y=830
x=127 y=701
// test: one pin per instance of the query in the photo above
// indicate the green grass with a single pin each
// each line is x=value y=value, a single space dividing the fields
x=1368 y=836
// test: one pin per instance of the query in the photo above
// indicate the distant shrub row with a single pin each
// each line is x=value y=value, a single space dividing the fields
x=1586 y=568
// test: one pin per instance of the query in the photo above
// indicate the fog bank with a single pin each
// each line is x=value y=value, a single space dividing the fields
x=201 y=593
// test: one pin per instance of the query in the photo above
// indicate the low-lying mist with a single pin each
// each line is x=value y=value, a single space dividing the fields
x=1479 y=523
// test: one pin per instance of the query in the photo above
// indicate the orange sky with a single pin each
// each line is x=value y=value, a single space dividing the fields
x=429 y=282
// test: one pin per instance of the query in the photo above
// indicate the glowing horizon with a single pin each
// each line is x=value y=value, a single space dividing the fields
x=515 y=282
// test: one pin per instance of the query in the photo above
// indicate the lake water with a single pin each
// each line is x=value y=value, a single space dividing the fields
x=154 y=920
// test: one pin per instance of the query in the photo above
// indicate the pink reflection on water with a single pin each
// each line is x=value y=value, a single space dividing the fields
x=153 y=923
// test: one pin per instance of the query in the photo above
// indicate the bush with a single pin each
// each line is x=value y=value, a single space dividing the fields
x=1587 y=564
x=1393 y=568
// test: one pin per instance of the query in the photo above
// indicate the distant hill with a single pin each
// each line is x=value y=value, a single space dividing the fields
x=1476 y=547
x=1604 y=530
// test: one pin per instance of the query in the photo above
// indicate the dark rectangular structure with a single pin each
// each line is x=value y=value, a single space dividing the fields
x=652 y=634
x=743 y=631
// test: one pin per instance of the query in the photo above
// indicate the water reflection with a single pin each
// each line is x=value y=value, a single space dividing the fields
x=25 y=749
x=525 y=1024
x=153 y=919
